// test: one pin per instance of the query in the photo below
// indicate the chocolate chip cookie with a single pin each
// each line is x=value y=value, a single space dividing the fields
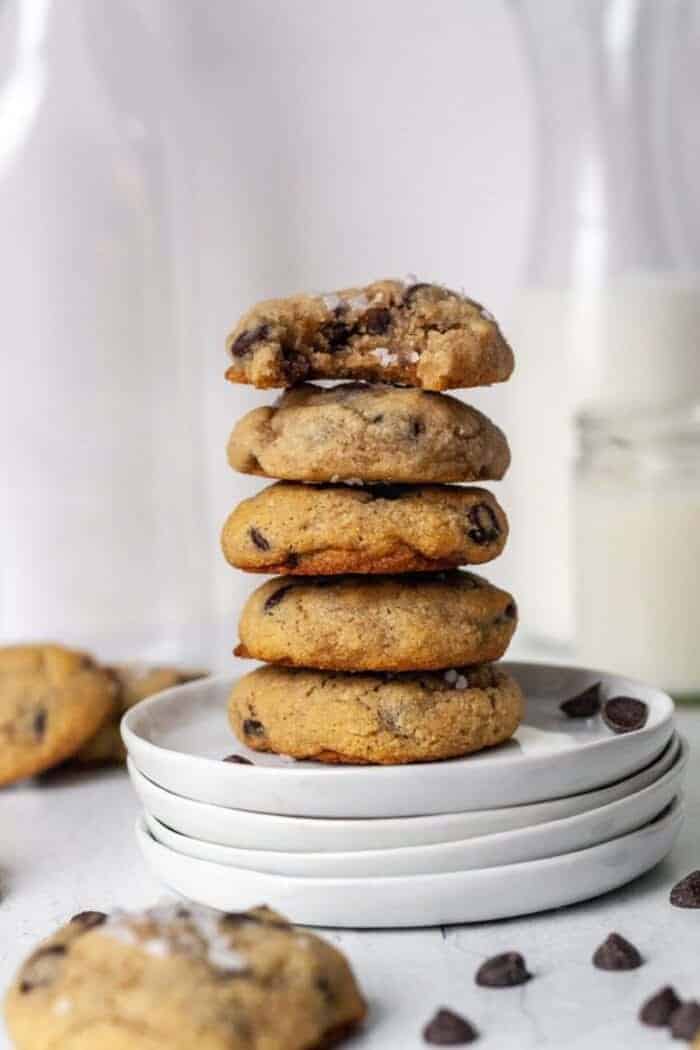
x=412 y=333
x=51 y=701
x=375 y=718
x=181 y=976
x=133 y=682
x=357 y=433
x=377 y=623
x=304 y=530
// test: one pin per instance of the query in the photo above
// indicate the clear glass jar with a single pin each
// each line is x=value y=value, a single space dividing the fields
x=609 y=308
x=637 y=541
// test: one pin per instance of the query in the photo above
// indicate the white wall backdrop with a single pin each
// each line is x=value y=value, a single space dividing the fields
x=163 y=165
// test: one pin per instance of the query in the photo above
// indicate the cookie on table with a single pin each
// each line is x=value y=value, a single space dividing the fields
x=51 y=701
x=415 y=334
x=303 y=530
x=181 y=976
x=359 y=433
x=375 y=718
x=377 y=623
x=134 y=682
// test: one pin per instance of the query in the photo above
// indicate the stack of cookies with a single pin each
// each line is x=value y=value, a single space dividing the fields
x=379 y=648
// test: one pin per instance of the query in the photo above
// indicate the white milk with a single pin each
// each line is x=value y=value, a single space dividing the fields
x=635 y=342
x=638 y=580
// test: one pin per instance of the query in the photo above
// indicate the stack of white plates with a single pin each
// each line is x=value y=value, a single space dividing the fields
x=565 y=811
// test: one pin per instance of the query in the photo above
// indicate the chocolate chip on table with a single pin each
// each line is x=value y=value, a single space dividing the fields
x=657 y=1010
x=686 y=893
x=503 y=971
x=247 y=340
x=251 y=727
x=276 y=597
x=449 y=1029
x=485 y=528
x=624 y=714
x=616 y=953
x=376 y=320
x=583 y=705
x=39 y=723
x=260 y=541
x=89 y=919
x=685 y=1021
x=238 y=760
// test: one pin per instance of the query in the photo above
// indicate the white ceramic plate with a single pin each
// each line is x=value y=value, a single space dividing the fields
x=506 y=847
x=179 y=738
x=261 y=831
x=420 y=900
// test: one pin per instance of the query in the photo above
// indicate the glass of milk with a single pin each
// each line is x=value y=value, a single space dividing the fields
x=608 y=314
x=637 y=540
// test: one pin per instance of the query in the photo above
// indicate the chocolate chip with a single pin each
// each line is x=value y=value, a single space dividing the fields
x=238 y=760
x=449 y=1029
x=376 y=320
x=616 y=953
x=503 y=971
x=336 y=334
x=507 y=616
x=377 y=419
x=89 y=919
x=583 y=705
x=686 y=893
x=417 y=427
x=246 y=340
x=685 y=1021
x=251 y=727
x=412 y=290
x=657 y=1010
x=624 y=714
x=39 y=723
x=260 y=541
x=291 y=560
x=276 y=597
x=485 y=527
x=327 y=991
x=295 y=366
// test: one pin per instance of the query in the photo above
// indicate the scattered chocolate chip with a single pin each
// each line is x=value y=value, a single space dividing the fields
x=260 y=541
x=616 y=953
x=327 y=991
x=238 y=760
x=583 y=705
x=624 y=714
x=291 y=560
x=251 y=727
x=89 y=919
x=336 y=334
x=686 y=893
x=412 y=291
x=417 y=427
x=39 y=723
x=685 y=1021
x=295 y=366
x=510 y=611
x=376 y=320
x=449 y=1029
x=377 y=419
x=503 y=971
x=246 y=340
x=485 y=527
x=276 y=597
x=657 y=1010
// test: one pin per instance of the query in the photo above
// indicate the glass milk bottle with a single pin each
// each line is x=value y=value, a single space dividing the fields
x=609 y=312
x=100 y=525
x=637 y=536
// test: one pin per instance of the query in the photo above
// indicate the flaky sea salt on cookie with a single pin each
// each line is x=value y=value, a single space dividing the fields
x=411 y=333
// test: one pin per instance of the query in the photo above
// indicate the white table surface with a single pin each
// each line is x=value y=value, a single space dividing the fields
x=67 y=844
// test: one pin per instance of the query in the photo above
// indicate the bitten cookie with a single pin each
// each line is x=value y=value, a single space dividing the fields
x=51 y=701
x=377 y=623
x=358 y=433
x=414 y=334
x=374 y=718
x=181 y=976
x=133 y=683
x=303 y=530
